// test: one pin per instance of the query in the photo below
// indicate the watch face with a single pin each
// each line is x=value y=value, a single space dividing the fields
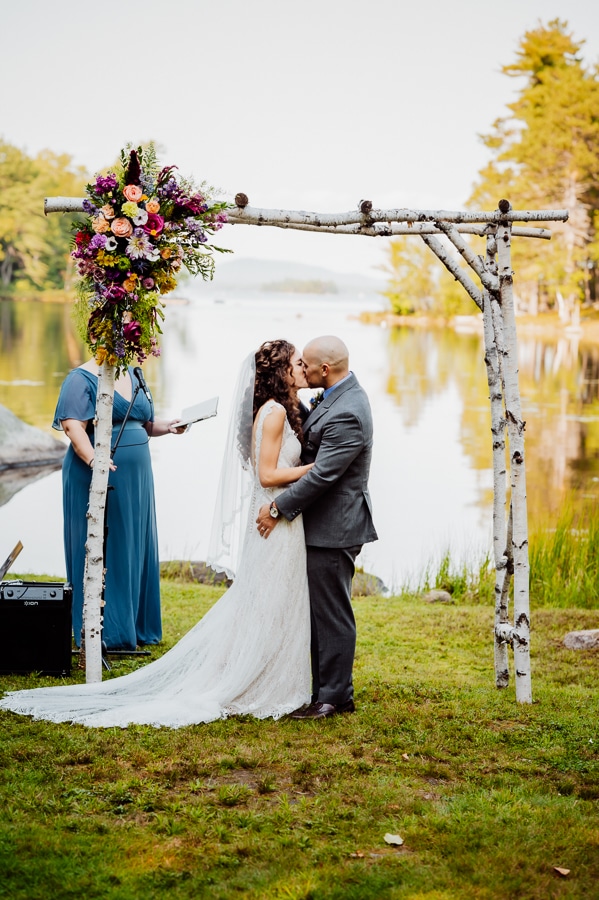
x=274 y=512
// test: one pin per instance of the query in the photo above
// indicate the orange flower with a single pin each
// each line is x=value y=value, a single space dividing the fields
x=121 y=227
x=129 y=285
x=100 y=225
x=132 y=192
x=152 y=206
x=166 y=253
x=107 y=211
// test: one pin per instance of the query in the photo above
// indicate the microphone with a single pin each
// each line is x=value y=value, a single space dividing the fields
x=142 y=382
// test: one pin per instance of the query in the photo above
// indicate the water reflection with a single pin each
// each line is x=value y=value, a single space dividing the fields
x=559 y=385
x=431 y=480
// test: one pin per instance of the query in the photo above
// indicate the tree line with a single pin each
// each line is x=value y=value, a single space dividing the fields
x=34 y=250
x=544 y=154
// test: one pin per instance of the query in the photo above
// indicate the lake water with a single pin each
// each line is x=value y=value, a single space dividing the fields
x=431 y=480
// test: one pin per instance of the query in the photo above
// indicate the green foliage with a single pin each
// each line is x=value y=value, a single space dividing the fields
x=546 y=155
x=34 y=250
x=418 y=284
x=488 y=796
x=564 y=559
x=564 y=565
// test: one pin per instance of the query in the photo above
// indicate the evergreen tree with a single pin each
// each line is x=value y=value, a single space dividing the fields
x=546 y=155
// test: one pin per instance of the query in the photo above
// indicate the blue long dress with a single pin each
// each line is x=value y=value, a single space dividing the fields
x=132 y=590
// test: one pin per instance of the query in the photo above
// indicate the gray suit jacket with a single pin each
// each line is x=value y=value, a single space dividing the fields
x=333 y=497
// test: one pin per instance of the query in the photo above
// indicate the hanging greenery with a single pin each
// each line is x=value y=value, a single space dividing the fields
x=145 y=223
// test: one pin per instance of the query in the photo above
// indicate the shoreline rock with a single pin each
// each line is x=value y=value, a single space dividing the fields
x=364 y=585
x=582 y=640
x=26 y=454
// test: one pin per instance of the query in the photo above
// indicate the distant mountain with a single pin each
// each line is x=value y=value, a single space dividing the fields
x=264 y=274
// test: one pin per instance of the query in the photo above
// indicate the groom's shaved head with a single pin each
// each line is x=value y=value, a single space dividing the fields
x=331 y=351
x=326 y=361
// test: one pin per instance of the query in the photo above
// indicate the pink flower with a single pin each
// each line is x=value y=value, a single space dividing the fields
x=133 y=192
x=100 y=225
x=148 y=283
x=132 y=332
x=154 y=225
x=121 y=227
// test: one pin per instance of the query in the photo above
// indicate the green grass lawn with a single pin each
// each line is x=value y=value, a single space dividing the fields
x=488 y=795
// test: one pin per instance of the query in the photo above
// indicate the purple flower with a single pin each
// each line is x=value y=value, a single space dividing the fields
x=195 y=204
x=148 y=283
x=105 y=183
x=89 y=208
x=170 y=190
x=98 y=242
x=115 y=294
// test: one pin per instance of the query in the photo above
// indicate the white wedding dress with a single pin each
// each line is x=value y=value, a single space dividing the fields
x=250 y=653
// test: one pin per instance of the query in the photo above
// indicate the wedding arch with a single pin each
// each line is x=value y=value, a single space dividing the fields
x=493 y=295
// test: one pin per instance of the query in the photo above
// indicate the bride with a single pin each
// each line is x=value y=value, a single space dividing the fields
x=250 y=653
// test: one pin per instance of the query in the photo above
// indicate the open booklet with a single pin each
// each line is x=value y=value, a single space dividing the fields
x=204 y=410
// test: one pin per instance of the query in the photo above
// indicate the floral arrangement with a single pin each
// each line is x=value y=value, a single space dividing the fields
x=144 y=225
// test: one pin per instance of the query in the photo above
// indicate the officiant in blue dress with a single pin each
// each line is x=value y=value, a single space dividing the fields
x=131 y=612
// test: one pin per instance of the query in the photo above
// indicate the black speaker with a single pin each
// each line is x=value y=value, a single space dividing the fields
x=35 y=627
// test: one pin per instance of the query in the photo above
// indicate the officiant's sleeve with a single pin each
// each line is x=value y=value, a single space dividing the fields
x=342 y=441
x=75 y=401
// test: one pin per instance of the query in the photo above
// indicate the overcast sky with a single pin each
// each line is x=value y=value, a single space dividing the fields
x=312 y=105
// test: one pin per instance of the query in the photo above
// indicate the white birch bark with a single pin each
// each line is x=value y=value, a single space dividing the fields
x=254 y=216
x=488 y=280
x=411 y=221
x=93 y=578
x=515 y=426
x=452 y=265
x=498 y=424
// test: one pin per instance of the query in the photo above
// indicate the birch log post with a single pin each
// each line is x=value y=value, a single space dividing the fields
x=515 y=426
x=93 y=578
x=498 y=424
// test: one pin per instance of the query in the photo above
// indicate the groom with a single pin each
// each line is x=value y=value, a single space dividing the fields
x=334 y=500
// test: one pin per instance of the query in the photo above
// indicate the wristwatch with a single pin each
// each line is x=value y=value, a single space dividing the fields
x=274 y=512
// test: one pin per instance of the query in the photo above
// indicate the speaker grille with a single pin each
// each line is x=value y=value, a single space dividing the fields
x=35 y=628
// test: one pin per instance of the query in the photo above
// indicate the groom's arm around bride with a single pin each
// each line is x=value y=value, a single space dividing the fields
x=337 y=515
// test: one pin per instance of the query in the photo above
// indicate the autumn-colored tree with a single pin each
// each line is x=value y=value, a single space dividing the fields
x=34 y=250
x=546 y=155
x=418 y=284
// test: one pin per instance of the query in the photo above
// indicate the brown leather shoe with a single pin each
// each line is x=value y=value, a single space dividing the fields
x=320 y=710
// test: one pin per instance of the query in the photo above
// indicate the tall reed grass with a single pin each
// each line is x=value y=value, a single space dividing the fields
x=564 y=565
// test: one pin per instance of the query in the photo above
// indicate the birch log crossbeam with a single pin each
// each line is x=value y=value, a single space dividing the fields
x=375 y=223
